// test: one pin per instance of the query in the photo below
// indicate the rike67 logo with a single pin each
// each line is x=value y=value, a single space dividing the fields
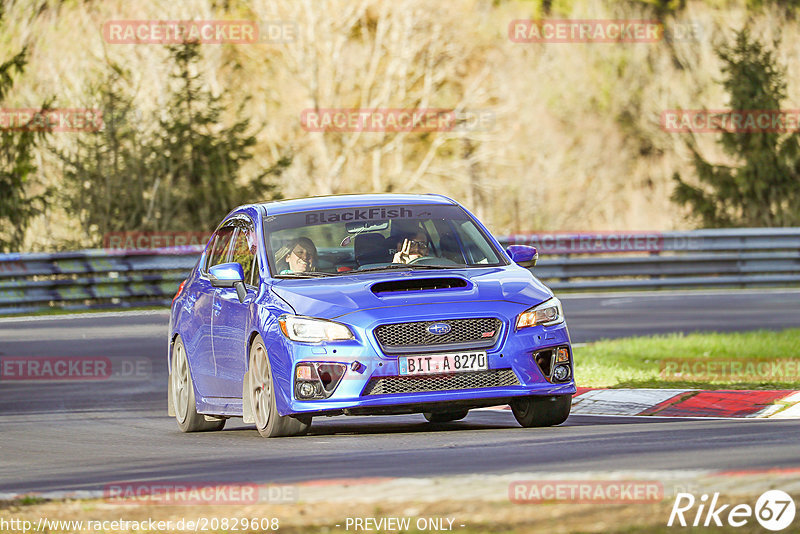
x=774 y=510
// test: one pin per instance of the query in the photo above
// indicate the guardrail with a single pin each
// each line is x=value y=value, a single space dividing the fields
x=106 y=278
x=92 y=278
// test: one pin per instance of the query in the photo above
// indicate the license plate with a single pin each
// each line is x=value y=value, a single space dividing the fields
x=434 y=364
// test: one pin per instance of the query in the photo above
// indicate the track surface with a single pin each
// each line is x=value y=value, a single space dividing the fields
x=68 y=436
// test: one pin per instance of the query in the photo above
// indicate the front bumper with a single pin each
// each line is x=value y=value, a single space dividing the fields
x=355 y=393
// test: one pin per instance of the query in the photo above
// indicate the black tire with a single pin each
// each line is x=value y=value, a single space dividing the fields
x=541 y=411
x=445 y=417
x=261 y=391
x=183 y=400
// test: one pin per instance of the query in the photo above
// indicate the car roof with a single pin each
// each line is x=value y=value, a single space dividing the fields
x=281 y=207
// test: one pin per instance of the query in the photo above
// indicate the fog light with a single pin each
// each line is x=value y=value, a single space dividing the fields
x=561 y=373
x=317 y=380
x=562 y=355
x=307 y=390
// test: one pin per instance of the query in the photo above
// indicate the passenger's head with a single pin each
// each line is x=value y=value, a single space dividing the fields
x=302 y=255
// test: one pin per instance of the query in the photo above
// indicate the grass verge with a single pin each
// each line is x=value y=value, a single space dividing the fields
x=760 y=359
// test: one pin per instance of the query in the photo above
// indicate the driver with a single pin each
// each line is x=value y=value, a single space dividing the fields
x=411 y=247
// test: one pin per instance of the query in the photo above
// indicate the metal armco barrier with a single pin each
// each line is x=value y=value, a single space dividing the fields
x=750 y=257
x=92 y=278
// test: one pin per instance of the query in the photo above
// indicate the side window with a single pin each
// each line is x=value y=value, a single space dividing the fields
x=244 y=251
x=220 y=244
x=256 y=278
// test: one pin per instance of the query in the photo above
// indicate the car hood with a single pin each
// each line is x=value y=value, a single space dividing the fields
x=333 y=297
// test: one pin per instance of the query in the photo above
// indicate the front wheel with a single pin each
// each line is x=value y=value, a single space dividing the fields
x=541 y=411
x=182 y=389
x=261 y=391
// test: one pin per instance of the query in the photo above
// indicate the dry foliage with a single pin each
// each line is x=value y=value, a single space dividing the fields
x=575 y=142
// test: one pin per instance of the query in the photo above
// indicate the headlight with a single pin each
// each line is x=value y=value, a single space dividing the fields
x=547 y=313
x=310 y=330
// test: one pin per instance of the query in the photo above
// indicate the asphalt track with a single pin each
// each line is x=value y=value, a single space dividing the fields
x=80 y=436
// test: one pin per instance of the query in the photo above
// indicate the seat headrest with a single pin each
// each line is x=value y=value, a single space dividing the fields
x=370 y=248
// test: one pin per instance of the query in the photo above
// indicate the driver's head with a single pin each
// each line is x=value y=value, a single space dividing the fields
x=417 y=243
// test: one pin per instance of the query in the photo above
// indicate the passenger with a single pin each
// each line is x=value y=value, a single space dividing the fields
x=411 y=247
x=300 y=256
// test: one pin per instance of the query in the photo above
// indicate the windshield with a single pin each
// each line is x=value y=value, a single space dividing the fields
x=366 y=239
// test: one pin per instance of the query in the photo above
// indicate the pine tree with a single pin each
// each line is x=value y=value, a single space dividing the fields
x=107 y=180
x=178 y=171
x=201 y=159
x=17 y=205
x=764 y=190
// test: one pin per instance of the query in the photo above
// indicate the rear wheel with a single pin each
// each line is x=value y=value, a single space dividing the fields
x=445 y=417
x=183 y=400
x=262 y=398
x=541 y=411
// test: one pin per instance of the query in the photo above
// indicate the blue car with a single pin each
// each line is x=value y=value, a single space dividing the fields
x=363 y=304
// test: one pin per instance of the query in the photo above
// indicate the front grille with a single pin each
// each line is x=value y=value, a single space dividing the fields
x=414 y=337
x=387 y=385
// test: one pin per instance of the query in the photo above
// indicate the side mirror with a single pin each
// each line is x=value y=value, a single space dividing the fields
x=228 y=275
x=523 y=255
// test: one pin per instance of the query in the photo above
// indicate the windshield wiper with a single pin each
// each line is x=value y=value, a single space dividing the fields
x=405 y=266
x=310 y=274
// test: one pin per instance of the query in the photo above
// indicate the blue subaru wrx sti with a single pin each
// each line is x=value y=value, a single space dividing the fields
x=363 y=304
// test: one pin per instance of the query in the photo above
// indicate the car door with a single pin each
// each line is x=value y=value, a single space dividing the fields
x=201 y=354
x=231 y=319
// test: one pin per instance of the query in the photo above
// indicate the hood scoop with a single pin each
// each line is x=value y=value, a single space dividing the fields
x=417 y=284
